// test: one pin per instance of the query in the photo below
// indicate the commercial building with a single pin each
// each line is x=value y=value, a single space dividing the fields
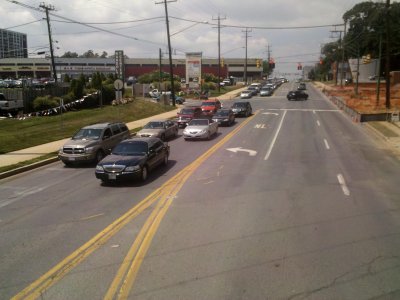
x=73 y=67
x=13 y=44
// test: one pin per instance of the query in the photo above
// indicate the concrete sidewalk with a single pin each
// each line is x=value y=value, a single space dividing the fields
x=40 y=150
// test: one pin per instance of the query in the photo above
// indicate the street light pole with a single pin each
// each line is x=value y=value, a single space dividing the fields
x=53 y=64
x=171 y=71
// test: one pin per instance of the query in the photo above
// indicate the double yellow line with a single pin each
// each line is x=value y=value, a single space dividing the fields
x=126 y=274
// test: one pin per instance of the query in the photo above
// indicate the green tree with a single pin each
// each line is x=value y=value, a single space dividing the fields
x=366 y=25
x=70 y=54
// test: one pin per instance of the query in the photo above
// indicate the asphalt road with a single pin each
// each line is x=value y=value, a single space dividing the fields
x=295 y=202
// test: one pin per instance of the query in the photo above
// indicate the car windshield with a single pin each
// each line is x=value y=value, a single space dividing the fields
x=89 y=134
x=187 y=111
x=239 y=104
x=154 y=125
x=197 y=122
x=131 y=148
x=222 y=113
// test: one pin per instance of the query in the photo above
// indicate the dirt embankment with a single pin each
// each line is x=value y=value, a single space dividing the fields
x=366 y=99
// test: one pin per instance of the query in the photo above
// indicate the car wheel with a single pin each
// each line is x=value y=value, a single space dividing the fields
x=99 y=156
x=144 y=173
x=208 y=136
x=176 y=132
x=165 y=162
x=68 y=163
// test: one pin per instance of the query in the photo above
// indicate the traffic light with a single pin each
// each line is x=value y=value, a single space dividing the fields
x=271 y=63
x=222 y=62
x=366 y=59
x=299 y=66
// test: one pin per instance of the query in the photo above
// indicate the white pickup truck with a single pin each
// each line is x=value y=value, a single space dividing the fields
x=10 y=105
x=155 y=93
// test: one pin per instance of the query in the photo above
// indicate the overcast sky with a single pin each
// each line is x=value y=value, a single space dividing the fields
x=141 y=28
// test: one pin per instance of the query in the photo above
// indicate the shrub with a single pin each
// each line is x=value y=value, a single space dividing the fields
x=46 y=102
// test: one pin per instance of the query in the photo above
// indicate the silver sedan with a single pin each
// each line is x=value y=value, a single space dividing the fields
x=200 y=129
x=163 y=129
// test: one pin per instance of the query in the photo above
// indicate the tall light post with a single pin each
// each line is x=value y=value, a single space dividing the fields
x=171 y=70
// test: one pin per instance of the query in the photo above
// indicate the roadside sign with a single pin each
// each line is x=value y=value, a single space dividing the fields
x=118 y=84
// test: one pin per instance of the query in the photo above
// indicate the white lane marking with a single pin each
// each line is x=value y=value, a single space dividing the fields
x=326 y=144
x=91 y=217
x=343 y=185
x=314 y=112
x=270 y=113
x=262 y=126
x=318 y=123
x=305 y=109
x=275 y=137
x=19 y=195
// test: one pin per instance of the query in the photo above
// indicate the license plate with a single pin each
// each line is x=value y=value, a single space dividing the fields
x=71 y=158
x=112 y=176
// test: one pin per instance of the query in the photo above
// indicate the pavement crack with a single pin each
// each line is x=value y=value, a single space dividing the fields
x=357 y=272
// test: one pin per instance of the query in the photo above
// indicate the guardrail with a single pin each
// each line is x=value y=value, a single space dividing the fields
x=341 y=104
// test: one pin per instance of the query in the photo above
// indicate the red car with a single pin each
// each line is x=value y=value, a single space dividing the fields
x=209 y=107
x=186 y=114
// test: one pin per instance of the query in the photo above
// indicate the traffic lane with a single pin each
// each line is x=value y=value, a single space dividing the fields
x=50 y=205
x=366 y=161
x=255 y=238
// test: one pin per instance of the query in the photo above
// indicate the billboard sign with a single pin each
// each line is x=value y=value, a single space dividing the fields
x=193 y=69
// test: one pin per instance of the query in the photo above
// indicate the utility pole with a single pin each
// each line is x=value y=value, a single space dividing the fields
x=245 y=61
x=268 y=59
x=387 y=65
x=171 y=71
x=159 y=74
x=337 y=58
x=53 y=64
x=378 y=73
x=219 y=51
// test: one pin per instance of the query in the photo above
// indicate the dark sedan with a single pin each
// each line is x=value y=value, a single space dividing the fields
x=242 y=108
x=297 y=95
x=224 y=117
x=132 y=159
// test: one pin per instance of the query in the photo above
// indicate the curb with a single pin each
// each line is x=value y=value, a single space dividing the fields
x=28 y=167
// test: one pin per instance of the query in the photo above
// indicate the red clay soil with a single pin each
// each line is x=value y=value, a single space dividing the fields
x=366 y=101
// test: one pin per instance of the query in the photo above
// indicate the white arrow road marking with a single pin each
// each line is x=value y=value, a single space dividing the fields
x=275 y=137
x=240 y=149
x=326 y=144
x=270 y=113
x=343 y=185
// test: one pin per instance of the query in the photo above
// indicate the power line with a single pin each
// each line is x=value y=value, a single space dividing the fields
x=110 y=23
x=264 y=27
x=23 y=24
x=87 y=25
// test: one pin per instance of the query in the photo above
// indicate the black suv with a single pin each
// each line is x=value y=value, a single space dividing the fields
x=91 y=143
x=242 y=108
